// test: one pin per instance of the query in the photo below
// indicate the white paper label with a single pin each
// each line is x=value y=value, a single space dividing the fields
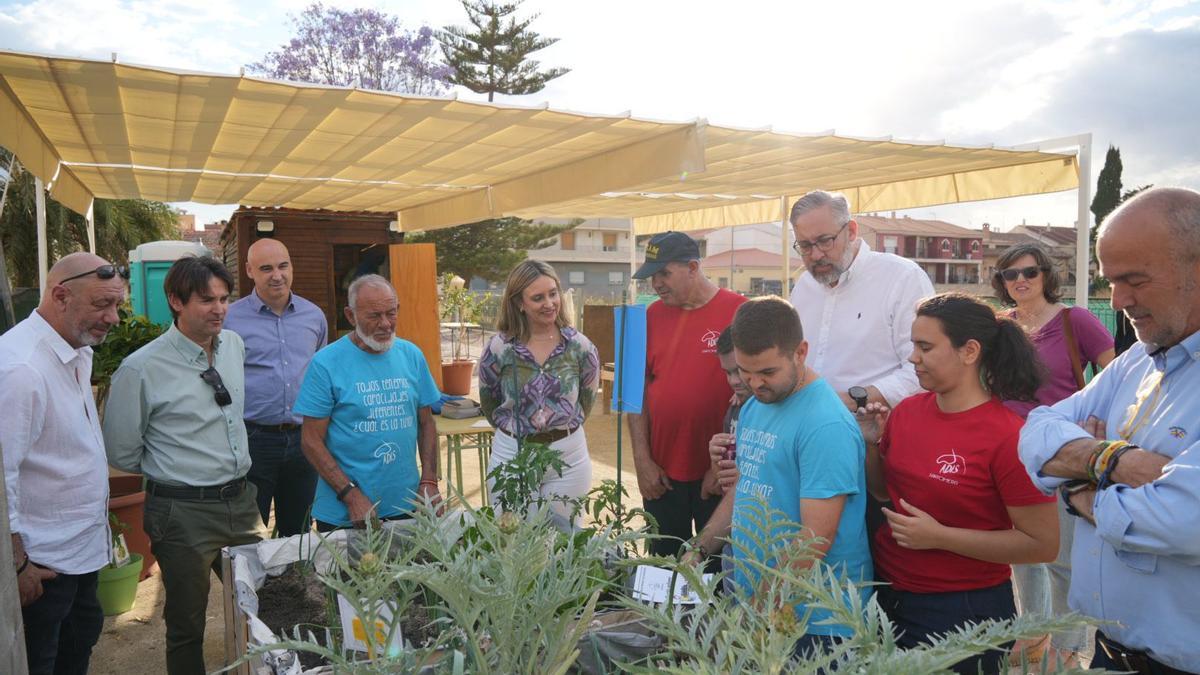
x=650 y=585
x=354 y=634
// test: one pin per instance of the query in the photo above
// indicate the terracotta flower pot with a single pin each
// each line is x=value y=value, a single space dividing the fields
x=126 y=499
x=456 y=377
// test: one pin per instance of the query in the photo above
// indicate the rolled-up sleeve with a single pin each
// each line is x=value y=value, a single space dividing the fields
x=1048 y=428
x=1159 y=517
x=23 y=400
x=126 y=411
x=902 y=382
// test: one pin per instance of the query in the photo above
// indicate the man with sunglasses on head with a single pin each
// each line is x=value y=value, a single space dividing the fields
x=55 y=477
x=174 y=414
x=856 y=305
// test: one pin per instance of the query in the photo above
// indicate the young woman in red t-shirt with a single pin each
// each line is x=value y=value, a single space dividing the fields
x=962 y=507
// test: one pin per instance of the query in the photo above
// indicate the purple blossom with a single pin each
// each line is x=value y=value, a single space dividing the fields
x=362 y=48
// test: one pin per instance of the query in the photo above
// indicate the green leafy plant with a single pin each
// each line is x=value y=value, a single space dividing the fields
x=462 y=306
x=516 y=483
x=605 y=503
x=132 y=333
x=729 y=633
x=116 y=527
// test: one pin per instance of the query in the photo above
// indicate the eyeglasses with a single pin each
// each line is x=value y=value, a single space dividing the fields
x=213 y=379
x=1012 y=273
x=104 y=272
x=804 y=247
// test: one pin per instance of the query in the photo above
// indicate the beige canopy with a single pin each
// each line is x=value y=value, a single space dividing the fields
x=91 y=129
x=103 y=129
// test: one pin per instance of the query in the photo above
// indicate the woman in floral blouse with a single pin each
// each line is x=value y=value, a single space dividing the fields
x=538 y=377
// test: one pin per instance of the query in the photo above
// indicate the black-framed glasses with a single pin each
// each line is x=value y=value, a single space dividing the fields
x=1013 y=273
x=804 y=247
x=213 y=379
x=104 y=272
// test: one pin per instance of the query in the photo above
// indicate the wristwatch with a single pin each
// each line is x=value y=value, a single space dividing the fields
x=860 y=396
x=341 y=495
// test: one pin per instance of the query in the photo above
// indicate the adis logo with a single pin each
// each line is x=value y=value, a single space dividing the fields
x=951 y=463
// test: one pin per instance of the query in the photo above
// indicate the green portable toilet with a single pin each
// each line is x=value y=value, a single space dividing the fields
x=148 y=265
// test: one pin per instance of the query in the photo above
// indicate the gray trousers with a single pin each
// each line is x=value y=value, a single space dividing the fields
x=187 y=537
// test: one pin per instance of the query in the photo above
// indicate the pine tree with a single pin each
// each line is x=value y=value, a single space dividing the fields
x=1108 y=189
x=491 y=55
x=490 y=248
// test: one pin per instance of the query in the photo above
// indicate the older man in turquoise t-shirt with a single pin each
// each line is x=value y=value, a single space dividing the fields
x=798 y=451
x=366 y=404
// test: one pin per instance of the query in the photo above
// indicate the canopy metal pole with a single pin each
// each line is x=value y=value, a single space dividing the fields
x=785 y=251
x=1083 y=224
x=91 y=226
x=732 y=233
x=43 y=251
x=633 y=265
x=1083 y=144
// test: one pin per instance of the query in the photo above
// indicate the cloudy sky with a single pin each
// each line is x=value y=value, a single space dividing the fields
x=997 y=72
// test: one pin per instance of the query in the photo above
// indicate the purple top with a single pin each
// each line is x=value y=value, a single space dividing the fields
x=1093 y=340
x=278 y=349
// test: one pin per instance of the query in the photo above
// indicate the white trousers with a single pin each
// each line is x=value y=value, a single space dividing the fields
x=576 y=478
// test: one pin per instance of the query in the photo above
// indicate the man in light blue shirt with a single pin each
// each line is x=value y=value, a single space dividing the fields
x=282 y=332
x=798 y=451
x=1136 y=551
x=174 y=414
x=366 y=404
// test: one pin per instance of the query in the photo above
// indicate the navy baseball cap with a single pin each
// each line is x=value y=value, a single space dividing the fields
x=664 y=248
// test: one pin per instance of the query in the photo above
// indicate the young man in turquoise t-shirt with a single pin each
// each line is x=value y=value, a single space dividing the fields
x=799 y=451
x=366 y=404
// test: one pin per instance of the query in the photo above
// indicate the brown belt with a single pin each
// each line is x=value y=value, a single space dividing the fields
x=550 y=436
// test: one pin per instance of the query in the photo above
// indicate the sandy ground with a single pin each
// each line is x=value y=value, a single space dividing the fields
x=134 y=642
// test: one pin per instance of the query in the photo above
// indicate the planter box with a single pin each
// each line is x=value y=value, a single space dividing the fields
x=246 y=568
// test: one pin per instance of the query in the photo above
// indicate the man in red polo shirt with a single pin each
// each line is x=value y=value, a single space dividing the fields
x=686 y=390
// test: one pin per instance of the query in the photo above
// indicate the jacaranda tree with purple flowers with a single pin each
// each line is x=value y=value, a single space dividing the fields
x=362 y=48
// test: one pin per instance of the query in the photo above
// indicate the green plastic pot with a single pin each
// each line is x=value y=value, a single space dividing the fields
x=118 y=586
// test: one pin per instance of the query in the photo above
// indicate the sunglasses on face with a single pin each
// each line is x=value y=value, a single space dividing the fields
x=104 y=272
x=213 y=379
x=1013 y=273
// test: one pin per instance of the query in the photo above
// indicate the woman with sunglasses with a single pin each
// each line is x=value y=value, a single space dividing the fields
x=1066 y=339
x=963 y=509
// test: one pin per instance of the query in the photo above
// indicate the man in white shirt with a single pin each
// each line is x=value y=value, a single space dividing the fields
x=856 y=306
x=55 y=471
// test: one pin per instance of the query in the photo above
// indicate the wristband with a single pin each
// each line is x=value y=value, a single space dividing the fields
x=341 y=495
x=1091 y=464
x=1111 y=466
x=1101 y=461
x=1069 y=488
x=24 y=564
x=427 y=481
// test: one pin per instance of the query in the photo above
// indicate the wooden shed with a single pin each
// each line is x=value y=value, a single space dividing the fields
x=328 y=250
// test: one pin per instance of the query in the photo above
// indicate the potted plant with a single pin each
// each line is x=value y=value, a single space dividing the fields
x=460 y=307
x=118 y=580
x=125 y=491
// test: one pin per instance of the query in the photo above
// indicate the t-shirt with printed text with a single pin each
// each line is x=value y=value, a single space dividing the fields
x=686 y=391
x=372 y=401
x=963 y=470
x=806 y=446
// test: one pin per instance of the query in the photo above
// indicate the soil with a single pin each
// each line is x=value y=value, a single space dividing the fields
x=295 y=598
